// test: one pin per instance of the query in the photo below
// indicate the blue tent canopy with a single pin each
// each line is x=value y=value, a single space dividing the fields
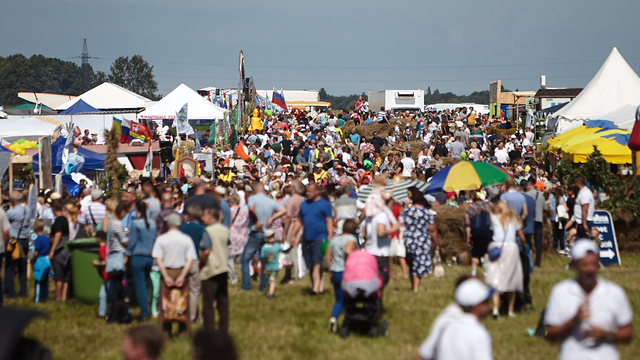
x=551 y=109
x=92 y=160
x=80 y=107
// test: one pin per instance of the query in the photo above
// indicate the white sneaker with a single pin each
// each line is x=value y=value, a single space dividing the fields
x=333 y=325
x=496 y=313
x=511 y=315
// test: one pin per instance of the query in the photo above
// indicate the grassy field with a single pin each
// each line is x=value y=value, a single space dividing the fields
x=294 y=325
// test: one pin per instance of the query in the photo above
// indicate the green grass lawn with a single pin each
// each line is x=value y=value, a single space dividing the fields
x=294 y=325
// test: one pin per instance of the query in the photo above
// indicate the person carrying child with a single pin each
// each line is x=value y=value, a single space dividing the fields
x=41 y=263
x=270 y=256
x=337 y=251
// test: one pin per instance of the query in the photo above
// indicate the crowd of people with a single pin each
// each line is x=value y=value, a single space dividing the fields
x=285 y=203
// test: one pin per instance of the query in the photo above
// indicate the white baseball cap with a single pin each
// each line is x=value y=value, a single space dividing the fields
x=582 y=248
x=472 y=292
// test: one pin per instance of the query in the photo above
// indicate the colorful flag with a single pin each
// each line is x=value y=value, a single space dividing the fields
x=140 y=131
x=197 y=143
x=181 y=122
x=146 y=172
x=278 y=99
x=124 y=127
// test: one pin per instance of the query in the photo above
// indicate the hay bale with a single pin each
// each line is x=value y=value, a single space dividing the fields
x=381 y=129
x=452 y=236
x=501 y=132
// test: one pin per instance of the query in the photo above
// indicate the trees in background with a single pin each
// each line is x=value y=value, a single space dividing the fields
x=50 y=75
x=134 y=74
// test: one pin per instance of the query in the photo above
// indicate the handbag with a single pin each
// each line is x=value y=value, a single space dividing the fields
x=17 y=252
x=562 y=212
x=438 y=269
x=115 y=263
x=494 y=253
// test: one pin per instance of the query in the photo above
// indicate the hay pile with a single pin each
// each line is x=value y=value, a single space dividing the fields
x=452 y=237
x=381 y=129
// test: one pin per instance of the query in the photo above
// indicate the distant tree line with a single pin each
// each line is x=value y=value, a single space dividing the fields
x=50 y=75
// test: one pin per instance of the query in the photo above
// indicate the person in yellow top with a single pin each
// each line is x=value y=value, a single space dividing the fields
x=226 y=175
x=471 y=118
x=256 y=120
x=318 y=172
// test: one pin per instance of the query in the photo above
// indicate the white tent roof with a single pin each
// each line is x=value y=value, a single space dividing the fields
x=613 y=94
x=108 y=96
x=198 y=108
x=28 y=128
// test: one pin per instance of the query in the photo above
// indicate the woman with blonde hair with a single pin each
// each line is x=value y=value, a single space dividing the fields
x=76 y=231
x=504 y=273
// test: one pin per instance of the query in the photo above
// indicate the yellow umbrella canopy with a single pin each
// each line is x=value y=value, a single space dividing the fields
x=577 y=139
x=611 y=150
x=555 y=143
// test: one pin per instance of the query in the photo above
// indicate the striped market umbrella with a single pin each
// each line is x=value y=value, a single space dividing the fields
x=397 y=189
x=466 y=175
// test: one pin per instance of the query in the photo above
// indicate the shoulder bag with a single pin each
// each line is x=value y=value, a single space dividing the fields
x=17 y=252
x=114 y=262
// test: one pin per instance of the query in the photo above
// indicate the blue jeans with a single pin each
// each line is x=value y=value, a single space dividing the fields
x=102 y=302
x=140 y=270
x=537 y=236
x=41 y=290
x=336 y=280
x=256 y=240
x=527 y=249
x=12 y=267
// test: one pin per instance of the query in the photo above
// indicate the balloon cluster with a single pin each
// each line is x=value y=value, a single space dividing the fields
x=18 y=146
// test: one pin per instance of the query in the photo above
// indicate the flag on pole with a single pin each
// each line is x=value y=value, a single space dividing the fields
x=198 y=143
x=140 y=131
x=278 y=99
x=124 y=127
x=181 y=123
x=146 y=172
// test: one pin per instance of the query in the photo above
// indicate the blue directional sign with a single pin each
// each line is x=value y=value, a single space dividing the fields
x=609 y=254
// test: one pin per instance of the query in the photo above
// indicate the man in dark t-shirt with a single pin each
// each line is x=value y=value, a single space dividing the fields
x=377 y=141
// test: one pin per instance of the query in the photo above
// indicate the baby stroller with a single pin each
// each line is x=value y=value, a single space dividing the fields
x=362 y=303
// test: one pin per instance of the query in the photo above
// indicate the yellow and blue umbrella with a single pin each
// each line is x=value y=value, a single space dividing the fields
x=613 y=148
x=466 y=175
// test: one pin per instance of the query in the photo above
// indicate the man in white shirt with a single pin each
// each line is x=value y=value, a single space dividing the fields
x=588 y=315
x=524 y=140
x=501 y=154
x=465 y=337
x=174 y=252
x=452 y=312
x=407 y=165
x=530 y=136
x=584 y=208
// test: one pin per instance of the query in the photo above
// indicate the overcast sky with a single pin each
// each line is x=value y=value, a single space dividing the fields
x=344 y=46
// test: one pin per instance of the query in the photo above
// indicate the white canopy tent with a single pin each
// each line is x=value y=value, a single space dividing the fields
x=108 y=96
x=28 y=128
x=613 y=94
x=198 y=108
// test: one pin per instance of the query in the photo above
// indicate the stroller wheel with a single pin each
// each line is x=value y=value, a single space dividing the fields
x=344 y=331
x=384 y=328
x=374 y=331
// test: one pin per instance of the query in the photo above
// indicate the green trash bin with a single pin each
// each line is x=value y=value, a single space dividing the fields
x=85 y=277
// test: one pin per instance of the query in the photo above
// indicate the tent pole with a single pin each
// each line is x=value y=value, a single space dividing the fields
x=40 y=160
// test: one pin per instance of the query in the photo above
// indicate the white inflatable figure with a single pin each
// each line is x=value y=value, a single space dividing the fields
x=164 y=134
